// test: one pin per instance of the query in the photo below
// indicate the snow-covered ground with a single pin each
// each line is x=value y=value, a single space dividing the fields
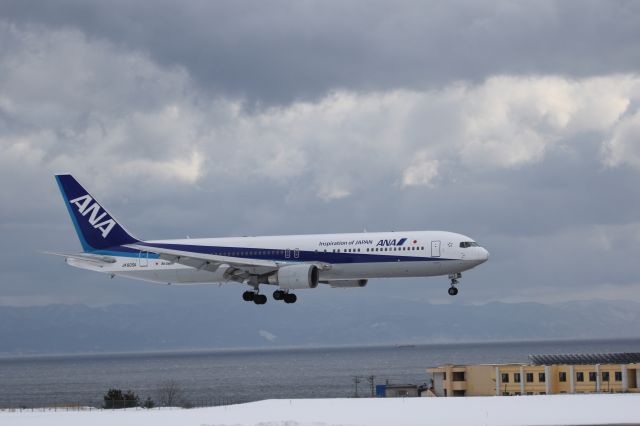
x=514 y=410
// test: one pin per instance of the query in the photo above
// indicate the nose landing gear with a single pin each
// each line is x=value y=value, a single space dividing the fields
x=453 y=290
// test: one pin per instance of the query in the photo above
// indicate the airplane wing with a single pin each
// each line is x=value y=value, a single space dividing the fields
x=96 y=259
x=209 y=262
x=239 y=268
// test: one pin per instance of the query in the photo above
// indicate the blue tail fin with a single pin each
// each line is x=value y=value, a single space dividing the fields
x=96 y=228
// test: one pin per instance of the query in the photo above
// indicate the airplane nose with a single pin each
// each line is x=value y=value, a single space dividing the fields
x=484 y=255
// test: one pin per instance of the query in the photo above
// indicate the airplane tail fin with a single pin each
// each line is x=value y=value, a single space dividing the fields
x=96 y=227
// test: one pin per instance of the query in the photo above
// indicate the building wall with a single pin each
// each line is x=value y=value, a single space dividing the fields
x=401 y=391
x=525 y=379
x=480 y=380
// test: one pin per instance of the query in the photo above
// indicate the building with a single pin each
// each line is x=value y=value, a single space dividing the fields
x=545 y=374
x=397 y=391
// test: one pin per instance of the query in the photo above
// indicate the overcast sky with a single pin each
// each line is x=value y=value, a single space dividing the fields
x=516 y=123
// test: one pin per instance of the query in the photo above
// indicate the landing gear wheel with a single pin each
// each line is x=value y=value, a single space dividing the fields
x=260 y=299
x=248 y=296
x=453 y=290
x=290 y=298
x=278 y=295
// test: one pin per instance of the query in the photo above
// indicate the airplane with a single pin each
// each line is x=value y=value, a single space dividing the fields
x=290 y=262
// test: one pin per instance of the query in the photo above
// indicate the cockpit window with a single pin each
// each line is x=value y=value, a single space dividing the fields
x=466 y=244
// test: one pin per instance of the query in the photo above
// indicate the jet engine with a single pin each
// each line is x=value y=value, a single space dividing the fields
x=294 y=277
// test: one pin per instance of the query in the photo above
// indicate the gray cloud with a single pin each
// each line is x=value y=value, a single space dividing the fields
x=514 y=123
x=285 y=51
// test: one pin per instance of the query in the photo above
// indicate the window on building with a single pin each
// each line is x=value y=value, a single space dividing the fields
x=517 y=394
x=542 y=378
x=458 y=393
x=444 y=376
x=458 y=376
x=529 y=377
x=562 y=376
x=605 y=376
x=516 y=377
x=542 y=393
x=529 y=393
x=504 y=377
x=579 y=376
x=505 y=393
x=593 y=376
x=618 y=376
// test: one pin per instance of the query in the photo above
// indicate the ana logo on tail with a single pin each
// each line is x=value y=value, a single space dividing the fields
x=101 y=222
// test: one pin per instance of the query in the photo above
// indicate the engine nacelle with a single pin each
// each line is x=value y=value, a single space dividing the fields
x=294 y=277
x=347 y=283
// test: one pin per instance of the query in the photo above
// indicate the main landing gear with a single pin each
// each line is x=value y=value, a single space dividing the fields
x=287 y=297
x=255 y=297
x=453 y=290
x=261 y=299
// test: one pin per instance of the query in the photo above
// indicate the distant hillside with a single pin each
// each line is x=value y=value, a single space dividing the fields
x=76 y=328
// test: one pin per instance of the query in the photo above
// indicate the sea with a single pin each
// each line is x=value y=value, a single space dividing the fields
x=215 y=377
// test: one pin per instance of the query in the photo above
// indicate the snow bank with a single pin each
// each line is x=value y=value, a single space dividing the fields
x=514 y=410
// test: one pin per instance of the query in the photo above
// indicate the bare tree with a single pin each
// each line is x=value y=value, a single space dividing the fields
x=170 y=394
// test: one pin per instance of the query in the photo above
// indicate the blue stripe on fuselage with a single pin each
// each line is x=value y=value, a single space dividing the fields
x=125 y=252
x=303 y=256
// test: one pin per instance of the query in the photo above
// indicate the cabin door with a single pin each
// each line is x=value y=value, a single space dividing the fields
x=435 y=248
x=143 y=259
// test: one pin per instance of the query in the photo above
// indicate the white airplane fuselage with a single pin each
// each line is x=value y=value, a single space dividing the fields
x=351 y=256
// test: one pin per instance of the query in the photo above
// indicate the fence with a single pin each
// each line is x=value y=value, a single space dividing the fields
x=120 y=404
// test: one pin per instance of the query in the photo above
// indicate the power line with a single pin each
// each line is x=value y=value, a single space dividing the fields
x=371 y=380
x=356 y=381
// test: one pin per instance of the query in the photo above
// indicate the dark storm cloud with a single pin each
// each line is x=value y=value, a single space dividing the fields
x=283 y=51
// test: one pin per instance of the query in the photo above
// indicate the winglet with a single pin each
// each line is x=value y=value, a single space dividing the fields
x=95 y=226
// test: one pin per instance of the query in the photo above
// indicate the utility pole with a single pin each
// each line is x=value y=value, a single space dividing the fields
x=371 y=380
x=356 y=381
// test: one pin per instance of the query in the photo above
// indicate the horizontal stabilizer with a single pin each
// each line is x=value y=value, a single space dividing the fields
x=87 y=257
